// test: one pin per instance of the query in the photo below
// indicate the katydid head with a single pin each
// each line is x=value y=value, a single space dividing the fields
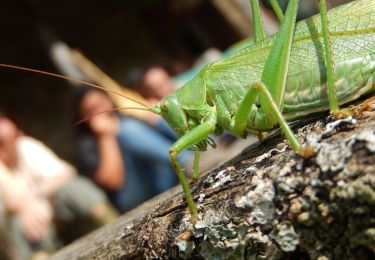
x=174 y=114
x=182 y=120
x=181 y=110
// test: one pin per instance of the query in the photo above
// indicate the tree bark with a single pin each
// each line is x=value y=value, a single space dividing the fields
x=266 y=203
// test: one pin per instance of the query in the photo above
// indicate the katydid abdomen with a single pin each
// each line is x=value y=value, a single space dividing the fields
x=352 y=30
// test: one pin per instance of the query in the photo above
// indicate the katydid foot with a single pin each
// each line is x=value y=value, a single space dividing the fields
x=356 y=110
x=307 y=151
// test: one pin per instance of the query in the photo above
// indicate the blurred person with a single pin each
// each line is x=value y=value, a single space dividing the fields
x=127 y=157
x=155 y=84
x=37 y=187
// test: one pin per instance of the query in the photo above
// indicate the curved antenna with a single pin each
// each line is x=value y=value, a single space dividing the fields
x=51 y=74
x=111 y=110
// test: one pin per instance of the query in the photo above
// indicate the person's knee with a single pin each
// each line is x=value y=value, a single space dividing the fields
x=78 y=198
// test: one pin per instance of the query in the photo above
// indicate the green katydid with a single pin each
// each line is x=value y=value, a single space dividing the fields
x=277 y=78
x=295 y=73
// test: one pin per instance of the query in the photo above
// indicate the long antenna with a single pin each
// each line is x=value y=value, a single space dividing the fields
x=51 y=74
x=111 y=110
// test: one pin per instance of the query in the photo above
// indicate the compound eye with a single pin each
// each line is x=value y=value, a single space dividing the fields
x=164 y=105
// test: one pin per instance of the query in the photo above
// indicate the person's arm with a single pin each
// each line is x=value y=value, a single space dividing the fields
x=49 y=187
x=110 y=172
x=17 y=199
x=13 y=193
x=41 y=161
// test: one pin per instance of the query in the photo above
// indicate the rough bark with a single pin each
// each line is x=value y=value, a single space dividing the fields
x=266 y=203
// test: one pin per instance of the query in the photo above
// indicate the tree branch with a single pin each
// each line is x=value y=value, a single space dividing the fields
x=266 y=203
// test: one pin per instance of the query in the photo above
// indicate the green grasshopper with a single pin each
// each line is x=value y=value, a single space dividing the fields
x=277 y=78
x=314 y=65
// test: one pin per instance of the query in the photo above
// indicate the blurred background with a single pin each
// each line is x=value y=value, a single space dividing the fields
x=122 y=37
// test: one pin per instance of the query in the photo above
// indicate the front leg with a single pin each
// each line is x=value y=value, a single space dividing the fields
x=333 y=103
x=184 y=142
x=196 y=166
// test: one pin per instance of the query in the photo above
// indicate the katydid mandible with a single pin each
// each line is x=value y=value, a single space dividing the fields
x=312 y=66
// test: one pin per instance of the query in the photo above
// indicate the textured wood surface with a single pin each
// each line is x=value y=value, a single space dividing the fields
x=266 y=203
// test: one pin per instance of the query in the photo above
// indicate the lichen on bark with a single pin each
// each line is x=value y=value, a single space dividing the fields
x=267 y=203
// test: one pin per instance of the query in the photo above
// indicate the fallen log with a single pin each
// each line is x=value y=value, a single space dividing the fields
x=266 y=203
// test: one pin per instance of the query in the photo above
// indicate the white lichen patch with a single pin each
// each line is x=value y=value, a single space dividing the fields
x=201 y=197
x=332 y=156
x=262 y=214
x=257 y=235
x=341 y=184
x=251 y=169
x=287 y=168
x=206 y=219
x=312 y=139
x=128 y=230
x=264 y=191
x=219 y=237
x=223 y=240
x=270 y=153
x=220 y=174
x=368 y=136
x=288 y=185
x=285 y=237
x=335 y=126
x=185 y=246
x=260 y=200
x=220 y=179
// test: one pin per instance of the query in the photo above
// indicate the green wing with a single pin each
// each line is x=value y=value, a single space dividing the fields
x=352 y=28
x=192 y=95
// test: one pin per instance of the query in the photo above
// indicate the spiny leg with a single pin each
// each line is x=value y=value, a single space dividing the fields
x=305 y=152
x=194 y=136
x=274 y=75
x=273 y=82
x=274 y=114
x=196 y=166
x=239 y=123
x=333 y=103
x=258 y=29
x=274 y=72
x=276 y=8
x=276 y=67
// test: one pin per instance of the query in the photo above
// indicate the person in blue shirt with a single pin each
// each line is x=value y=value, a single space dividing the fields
x=127 y=157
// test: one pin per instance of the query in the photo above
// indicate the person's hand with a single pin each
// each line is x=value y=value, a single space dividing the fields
x=35 y=217
x=104 y=124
